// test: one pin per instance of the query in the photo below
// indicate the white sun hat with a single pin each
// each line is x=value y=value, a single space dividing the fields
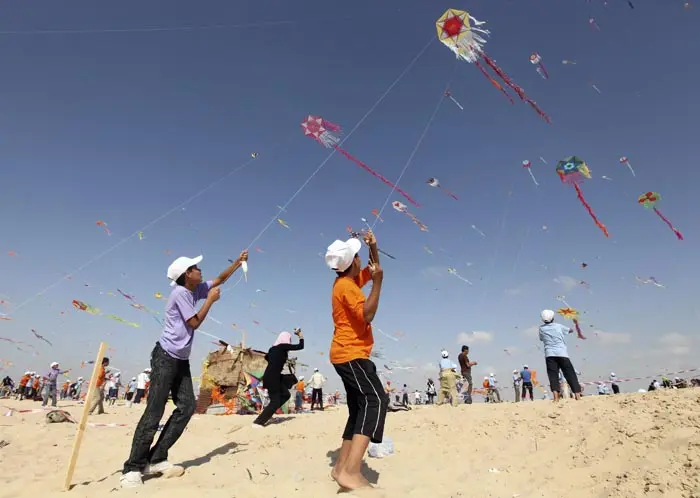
x=339 y=255
x=180 y=266
x=547 y=315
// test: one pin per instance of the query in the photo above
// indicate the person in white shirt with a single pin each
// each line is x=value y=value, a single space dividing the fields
x=417 y=397
x=613 y=382
x=493 y=388
x=141 y=381
x=517 y=380
x=316 y=382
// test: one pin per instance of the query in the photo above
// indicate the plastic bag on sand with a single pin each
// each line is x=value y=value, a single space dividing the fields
x=380 y=450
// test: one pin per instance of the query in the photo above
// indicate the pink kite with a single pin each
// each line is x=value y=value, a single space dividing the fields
x=327 y=134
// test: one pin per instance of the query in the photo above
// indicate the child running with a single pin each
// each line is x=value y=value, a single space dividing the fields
x=350 y=352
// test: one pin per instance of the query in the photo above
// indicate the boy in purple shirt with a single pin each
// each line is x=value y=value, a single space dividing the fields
x=170 y=370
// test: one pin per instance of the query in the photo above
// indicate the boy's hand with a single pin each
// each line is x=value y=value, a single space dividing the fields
x=243 y=256
x=377 y=272
x=369 y=238
x=214 y=294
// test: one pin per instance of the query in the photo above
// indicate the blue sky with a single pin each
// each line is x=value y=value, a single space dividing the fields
x=106 y=116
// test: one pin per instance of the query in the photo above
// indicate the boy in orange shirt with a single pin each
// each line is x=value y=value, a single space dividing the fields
x=299 y=399
x=22 y=391
x=350 y=352
x=97 y=399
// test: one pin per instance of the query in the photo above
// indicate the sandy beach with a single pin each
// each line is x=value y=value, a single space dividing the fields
x=603 y=446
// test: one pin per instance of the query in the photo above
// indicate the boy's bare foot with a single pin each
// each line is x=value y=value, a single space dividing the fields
x=350 y=481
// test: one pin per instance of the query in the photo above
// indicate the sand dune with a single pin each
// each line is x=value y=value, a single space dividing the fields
x=625 y=446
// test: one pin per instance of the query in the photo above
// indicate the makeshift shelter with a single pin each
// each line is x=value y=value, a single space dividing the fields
x=227 y=374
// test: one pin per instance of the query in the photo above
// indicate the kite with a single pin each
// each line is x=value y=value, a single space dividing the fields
x=562 y=299
x=428 y=250
x=572 y=314
x=327 y=134
x=434 y=182
x=596 y=88
x=593 y=23
x=584 y=265
x=536 y=59
x=375 y=212
x=453 y=271
x=568 y=62
x=259 y=249
x=283 y=223
x=5 y=317
x=527 y=165
x=127 y=296
x=254 y=155
x=104 y=226
x=38 y=336
x=402 y=208
x=606 y=178
x=573 y=171
x=12 y=253
x=626 y=162
x=478 y=231
x=141 y=236
x=121 y=320
x=449 y=96
x=462 y=34
x=542 y=159
x=158 y=295
x=649 y=201
x=85 y=307
x=650 y=280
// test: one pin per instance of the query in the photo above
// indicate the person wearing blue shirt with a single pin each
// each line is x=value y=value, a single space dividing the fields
x=553 y=337
x=526 y=376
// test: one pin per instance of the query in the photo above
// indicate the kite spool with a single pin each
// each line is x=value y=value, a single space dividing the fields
x=83 y=420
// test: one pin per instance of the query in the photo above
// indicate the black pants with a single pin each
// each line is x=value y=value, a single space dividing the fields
x=527 y=387
x=317 y=398
x=278 y=394
x=367 y=401
x=129 y=395
x=556 y=363
x=404 y=399
x=169 y=377
x=616 y=389
x=139 y=395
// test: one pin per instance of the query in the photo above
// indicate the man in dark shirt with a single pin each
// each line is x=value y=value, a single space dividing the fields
x=466 y=367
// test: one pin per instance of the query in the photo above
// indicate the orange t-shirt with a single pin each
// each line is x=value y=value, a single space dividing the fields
x=352 y=337
x=24 y=380
x=300 y=386
x=36 y=384
x=101 y=376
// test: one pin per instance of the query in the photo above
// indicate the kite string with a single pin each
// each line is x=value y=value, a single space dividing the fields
x=415 y=150
x=142 y=229
x=346 y=137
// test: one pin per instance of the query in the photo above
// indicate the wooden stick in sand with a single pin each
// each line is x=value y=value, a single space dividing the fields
x=83 y=420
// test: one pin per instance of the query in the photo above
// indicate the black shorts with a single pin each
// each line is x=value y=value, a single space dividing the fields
x=366 y=398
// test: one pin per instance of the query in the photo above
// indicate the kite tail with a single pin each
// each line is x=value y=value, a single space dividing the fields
x=600 y=225
x=546 y=74
x=670 y=225
x=578 y=330
x=493 y=81
x=521 y=93
x=375 y=174
x=450 y=194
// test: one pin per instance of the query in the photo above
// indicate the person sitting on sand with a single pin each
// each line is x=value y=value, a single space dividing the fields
x=273 y=380
x=553 y=337
x=170 y=361
x=350 y=353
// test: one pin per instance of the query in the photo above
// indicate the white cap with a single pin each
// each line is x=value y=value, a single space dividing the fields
x=147 y=370
x=301 y=377
x=445 y=354
x=515 y=371
x=524 y=366
x=54 y=364
x=490 y=375
x=80 y=378
x=486 y=378
x=547 y=315
x=612 y=374
x=180 y=266
x=339 y=255
x=133 y=378
x=315 y=369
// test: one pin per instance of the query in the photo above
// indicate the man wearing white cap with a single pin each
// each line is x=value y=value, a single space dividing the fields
x=316 y=382
x=553 y=337
x=171 y=370
x=51 y=384
x=350 y=352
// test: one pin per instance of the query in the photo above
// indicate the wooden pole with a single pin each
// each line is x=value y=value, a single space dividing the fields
x=83 y=420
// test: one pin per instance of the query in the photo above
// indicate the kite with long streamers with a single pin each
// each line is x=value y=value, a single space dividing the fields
x=85 y=307
x=328 y=135
x=650 y=280
x=453 y=271
x=378 y=215
x=102 y=224
x=435 y=183
x=626 y=162
x=283 y=223
x=402 y=208
x=649 y=201
x=593 y=23
x=528 y=166
x=573 y=170
x=462 y=34
x=448 y=94
x=40 y=337
x=536 y=59
x=121 y=320
x=572 y=314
